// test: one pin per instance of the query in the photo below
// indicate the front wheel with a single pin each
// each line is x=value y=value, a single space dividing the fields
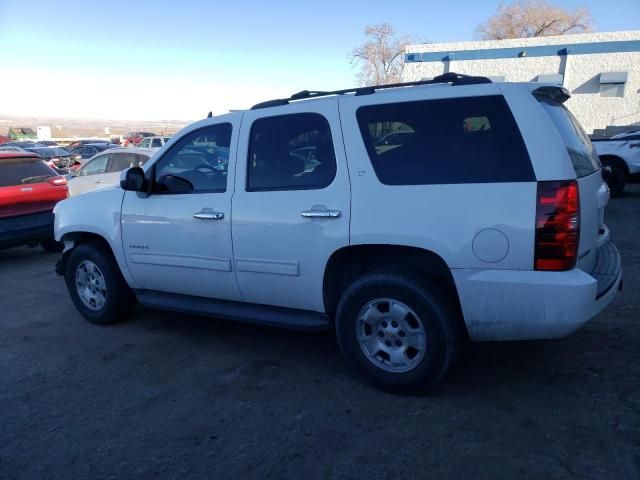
x=96 y=286
x=403 y=333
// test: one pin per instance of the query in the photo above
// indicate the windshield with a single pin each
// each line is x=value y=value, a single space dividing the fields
x=583 y=156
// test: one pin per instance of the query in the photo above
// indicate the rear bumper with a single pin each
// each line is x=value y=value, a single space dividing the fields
x=528 y=305
x=23 y=229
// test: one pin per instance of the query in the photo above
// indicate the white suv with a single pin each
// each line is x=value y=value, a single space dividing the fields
x=482 y=219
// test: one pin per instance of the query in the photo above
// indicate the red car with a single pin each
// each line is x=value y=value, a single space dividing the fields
x=132 y=139
x=29 y=189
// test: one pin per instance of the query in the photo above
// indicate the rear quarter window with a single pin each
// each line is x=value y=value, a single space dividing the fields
x=23 y=171
x=583 y=156
x=454 y=140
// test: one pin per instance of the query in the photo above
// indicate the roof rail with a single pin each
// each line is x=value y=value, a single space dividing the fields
x=451 y=77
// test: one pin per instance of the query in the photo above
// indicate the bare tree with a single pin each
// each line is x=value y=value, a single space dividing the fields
x=534 y=18
x=380 y=56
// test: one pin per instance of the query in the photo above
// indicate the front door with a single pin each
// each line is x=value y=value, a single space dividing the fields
x=178 y=239
x=291 y=207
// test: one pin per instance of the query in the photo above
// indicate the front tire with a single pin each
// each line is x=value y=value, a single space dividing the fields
x=401 y=332
x=96 y=286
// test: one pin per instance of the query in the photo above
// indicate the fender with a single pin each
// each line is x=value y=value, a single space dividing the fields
x=98 y=213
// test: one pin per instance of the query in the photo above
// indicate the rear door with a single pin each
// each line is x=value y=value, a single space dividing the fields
x=291 y=208
x=594 y=194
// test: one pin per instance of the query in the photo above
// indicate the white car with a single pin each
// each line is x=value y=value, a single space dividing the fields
x=153 y=142
x=621 y=154
x=103 y=169
x=484 y=219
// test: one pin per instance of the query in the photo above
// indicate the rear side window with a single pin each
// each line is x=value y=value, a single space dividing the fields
x=21 y=171
x=455 y=140
x=583 y=156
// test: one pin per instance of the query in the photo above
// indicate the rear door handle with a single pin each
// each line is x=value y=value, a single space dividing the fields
x=321 y=213
x=208 y=214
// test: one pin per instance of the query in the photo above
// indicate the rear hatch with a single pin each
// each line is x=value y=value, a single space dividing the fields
x=28 y=185
x=594 y=193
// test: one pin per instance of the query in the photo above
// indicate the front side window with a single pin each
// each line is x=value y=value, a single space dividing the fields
x=156 y=142
x=455 y=140
x=95 y=166
x=200 y=158
x=291 y=152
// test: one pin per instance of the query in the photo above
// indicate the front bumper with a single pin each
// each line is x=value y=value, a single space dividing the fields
x=528 y=305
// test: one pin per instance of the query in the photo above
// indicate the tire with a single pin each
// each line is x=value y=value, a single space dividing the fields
x=97 y=288
x=617 y=181
x=428 y=308
x=51 y=246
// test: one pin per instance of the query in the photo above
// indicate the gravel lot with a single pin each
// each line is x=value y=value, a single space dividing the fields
x=173 y=396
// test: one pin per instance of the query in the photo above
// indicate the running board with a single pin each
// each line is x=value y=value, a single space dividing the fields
x=239 y=311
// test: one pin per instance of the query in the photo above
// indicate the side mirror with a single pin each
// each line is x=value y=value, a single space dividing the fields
x=133 y=180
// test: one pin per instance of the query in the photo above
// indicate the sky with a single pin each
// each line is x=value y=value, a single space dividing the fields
x=160 y=60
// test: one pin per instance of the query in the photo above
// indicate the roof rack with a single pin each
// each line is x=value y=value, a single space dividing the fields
x=451 y=77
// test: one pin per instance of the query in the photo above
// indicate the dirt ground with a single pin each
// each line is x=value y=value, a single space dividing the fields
x=174 y=396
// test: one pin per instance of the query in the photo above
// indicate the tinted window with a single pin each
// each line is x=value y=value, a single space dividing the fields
x=156 y=142
x=201 y=157
x=95 y=166
x=21 y=171
x=583 y=156
x=459 y=140
x=291 y=152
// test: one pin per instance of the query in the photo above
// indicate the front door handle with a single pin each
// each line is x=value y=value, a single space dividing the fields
x=208 y=214
x=313 y=213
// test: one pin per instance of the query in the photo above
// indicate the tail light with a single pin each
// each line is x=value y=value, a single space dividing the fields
x=557 y=225
x=57 y=181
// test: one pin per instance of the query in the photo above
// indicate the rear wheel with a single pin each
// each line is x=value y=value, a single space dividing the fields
x=96 y=285
x=403 y=333
x=616 y=180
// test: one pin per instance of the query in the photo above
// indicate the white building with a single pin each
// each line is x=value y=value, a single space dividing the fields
x=601 y=70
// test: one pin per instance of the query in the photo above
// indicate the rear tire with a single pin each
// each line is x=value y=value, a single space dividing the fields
x=97 y=288
x=617 y=181
x=401 y=332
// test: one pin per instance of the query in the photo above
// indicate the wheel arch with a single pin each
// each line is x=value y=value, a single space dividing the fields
x=350 y=262
x=73 y=239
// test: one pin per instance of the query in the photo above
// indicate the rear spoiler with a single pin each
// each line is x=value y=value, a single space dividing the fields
x=558 y=93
